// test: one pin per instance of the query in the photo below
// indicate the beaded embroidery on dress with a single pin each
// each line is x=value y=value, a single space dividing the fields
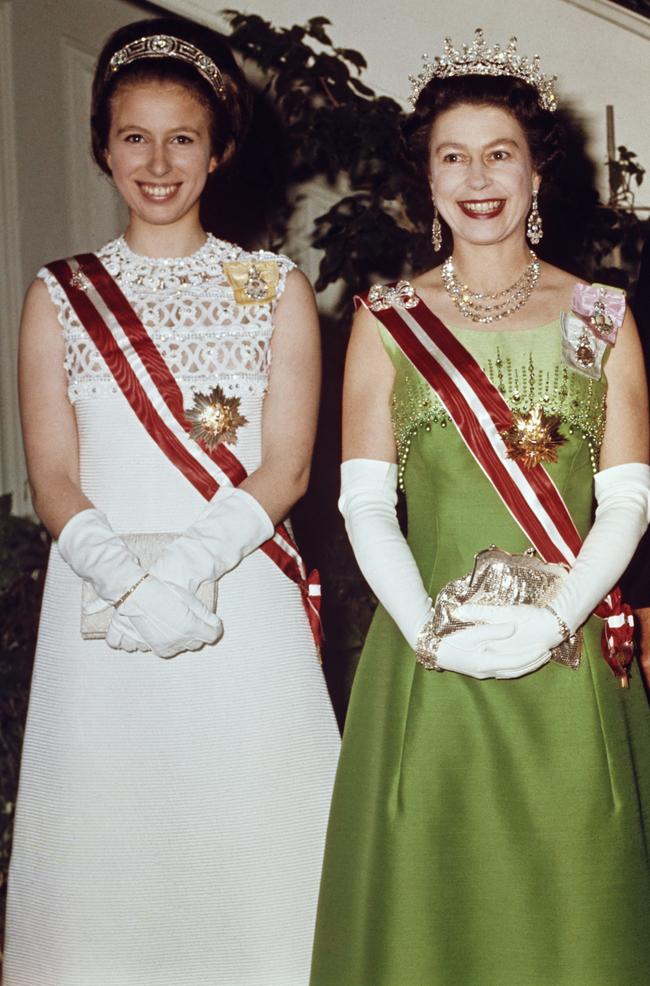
x=188 y=306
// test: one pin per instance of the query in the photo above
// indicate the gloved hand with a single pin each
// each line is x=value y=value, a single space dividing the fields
x=368 y=501
x=231 y=526
x=513 y=641
x=164 y=619
x=97 y=554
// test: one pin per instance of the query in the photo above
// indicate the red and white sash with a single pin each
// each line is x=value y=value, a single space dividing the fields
x=150 y=388
x=481 y=414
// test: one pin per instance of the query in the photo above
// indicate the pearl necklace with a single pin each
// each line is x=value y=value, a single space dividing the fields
x=486 y=308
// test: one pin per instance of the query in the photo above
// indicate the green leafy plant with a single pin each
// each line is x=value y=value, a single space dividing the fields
x=338 y=129
x=622 y=231
x=623 y=171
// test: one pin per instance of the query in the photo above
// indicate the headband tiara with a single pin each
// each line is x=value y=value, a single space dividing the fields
x=479 y=59
x=167 y=46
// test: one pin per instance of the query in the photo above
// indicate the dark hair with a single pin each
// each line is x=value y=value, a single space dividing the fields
x=229 y=114
x=541 y=127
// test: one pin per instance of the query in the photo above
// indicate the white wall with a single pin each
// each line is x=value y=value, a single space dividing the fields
x=599 y=51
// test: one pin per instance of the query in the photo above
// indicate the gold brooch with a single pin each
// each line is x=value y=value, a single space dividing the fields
x=533 y=437
x=254 y=283
x=215 y=418
x=585 y=353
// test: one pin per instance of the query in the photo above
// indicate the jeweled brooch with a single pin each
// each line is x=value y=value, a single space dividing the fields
x=533 y=437
x=602 y=309
x=254 y=283
x=80 y=281
x=582 y=348
x=215 y=418
x=381 y=296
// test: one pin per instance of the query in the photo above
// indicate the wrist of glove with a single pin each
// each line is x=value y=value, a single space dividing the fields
x=232 y=525
x=503 y=642
x=98 y=555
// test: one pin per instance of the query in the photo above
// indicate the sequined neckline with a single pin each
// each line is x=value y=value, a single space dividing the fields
x=156 y=275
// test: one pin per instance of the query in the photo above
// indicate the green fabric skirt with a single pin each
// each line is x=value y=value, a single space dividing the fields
x=487 y=833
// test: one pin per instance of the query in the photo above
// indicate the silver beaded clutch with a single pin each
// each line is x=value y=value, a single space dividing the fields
x=499 y=579
x=96 y=614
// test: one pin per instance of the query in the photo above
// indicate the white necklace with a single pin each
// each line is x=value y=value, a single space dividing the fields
x=483 y=307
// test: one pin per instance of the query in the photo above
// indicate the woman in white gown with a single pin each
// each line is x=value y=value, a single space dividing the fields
x=171 y=813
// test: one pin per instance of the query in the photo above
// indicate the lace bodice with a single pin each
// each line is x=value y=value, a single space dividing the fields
x=188 y=306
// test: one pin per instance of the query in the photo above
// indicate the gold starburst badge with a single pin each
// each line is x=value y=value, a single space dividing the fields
x=254 y=283
x=533 y=437
x=215 y=418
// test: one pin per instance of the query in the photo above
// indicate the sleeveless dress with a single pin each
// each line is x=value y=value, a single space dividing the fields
x=488 y=833
x=171 y=814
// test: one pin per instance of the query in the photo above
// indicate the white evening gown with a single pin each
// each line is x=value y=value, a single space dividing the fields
x=171 y=814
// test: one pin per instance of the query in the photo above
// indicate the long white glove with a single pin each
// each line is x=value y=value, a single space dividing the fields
x=520 y=637
x=513 y=641
x=167 y=620
x=368 y=501
x=232 y=525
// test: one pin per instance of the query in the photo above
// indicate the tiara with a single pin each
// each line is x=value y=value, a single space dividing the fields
x=167 y=46
x=479 y=59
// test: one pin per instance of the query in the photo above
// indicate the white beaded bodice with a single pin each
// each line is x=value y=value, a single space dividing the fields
x=188 y=307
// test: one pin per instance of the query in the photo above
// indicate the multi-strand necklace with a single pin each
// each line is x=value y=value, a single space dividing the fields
x=486 y=308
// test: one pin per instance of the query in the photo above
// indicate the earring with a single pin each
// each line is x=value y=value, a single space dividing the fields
x=436 y=230
x=534 y=228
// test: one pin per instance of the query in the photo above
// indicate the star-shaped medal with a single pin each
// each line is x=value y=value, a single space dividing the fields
x=215 y=418
x=533 y=437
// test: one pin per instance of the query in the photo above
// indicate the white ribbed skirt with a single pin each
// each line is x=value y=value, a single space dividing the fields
x=171 y=814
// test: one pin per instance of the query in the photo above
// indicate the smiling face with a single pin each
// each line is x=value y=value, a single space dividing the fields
x=481 y=176
x=159 y=151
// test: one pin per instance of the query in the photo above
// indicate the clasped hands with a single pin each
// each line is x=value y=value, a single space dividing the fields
x=162 y=617
x=504 y=642
x=158 y=610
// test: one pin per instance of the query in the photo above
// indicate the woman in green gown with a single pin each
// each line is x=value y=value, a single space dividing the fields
x=490 y=823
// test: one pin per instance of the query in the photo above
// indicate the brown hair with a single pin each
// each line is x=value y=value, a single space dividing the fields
x=229 y=114
x=542 y=128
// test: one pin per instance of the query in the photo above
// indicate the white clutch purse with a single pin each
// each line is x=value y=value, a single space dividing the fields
x=96 y=613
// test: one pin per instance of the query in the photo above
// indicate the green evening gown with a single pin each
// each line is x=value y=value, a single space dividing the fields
x=488 y=833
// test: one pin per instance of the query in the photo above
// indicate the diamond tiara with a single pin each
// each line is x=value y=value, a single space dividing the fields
x=480 y=59
x=167 y=46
